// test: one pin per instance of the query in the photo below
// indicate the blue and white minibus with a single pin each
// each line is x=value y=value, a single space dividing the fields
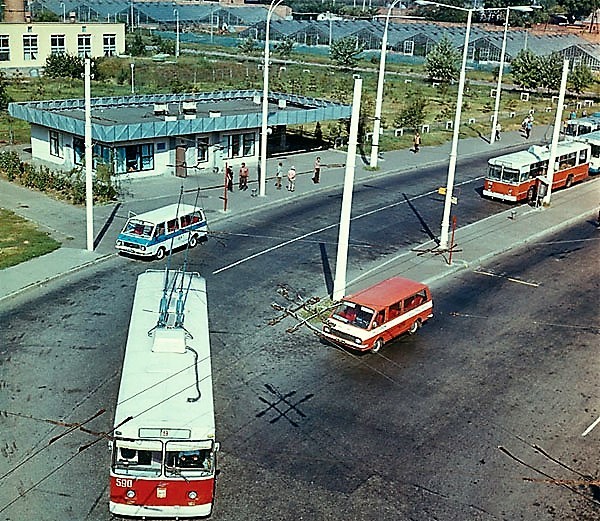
x=157 y=232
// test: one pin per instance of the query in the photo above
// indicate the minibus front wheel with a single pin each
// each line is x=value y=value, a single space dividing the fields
x=377 y=345
x=193 y=241
x=160 y=253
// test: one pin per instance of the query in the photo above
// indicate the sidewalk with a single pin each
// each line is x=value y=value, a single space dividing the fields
x=66 y=223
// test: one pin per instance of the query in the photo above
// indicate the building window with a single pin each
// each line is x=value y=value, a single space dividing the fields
x=241 y=145
x=84 y=46
x=57 y=44
x=409 y=48
x=54 y=144
x=134 y=158
x=4 y=48
x=202 y=146
x=110 y=44
x=78 y=151
x=30 y=47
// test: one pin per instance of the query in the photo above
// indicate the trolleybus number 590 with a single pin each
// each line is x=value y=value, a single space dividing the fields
x=125 y=483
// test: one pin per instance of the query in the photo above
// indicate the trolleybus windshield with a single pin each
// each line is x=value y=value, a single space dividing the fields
x=501 y=173
x=138 y=458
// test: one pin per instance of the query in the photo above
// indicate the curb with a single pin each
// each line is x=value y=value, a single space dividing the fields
x=57 y=276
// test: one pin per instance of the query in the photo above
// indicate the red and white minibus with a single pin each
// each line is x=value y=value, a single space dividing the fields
x=163 y=447
x=374 y=316
x=518 y=176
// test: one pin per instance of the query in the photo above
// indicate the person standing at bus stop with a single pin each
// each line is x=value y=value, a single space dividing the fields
x=416 y=142
x=279 y=175
x=291 y=175
x=317 y=170
x=244 y=173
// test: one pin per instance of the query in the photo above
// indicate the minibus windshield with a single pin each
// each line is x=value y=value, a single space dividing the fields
x=354 y=314
x=140 y=228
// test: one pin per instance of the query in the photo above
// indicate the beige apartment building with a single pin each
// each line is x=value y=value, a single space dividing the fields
x=25 y=46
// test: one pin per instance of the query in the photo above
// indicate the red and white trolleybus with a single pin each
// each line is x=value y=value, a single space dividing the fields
x=163 y=448
x=519 y=175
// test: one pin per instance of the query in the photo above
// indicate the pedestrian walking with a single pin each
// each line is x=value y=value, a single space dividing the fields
x=317 y=170
x=528 y=127
x=416 y=142
x=278 y=175
x=291 y=175
x=498 y=130
x=244 y=173
x=229 y=176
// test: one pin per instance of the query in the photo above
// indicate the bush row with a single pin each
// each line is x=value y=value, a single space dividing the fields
x=69 y=185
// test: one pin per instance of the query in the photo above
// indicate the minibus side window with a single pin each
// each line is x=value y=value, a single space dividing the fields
x=160 y=230
x=415 y=300
x=172 y=225
x=395 y=310
x=186 y=220
x=379 y=319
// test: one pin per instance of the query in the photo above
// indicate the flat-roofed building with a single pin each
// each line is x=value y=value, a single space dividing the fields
x=25 y=46
x=168 y=133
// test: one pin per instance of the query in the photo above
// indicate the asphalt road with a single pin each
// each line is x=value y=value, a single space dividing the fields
x=410 y=434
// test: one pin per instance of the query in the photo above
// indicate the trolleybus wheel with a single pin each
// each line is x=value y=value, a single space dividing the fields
x=569 y=182
x=377 y=345
x=193 y=241
x=414 y=327
x=160 y=253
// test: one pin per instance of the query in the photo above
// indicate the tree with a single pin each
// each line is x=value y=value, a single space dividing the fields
x=580 y=78
x=284 y=48
x=525 y=69
x=441 y=63
x=344 y=52
x=47 y=16
x=412 y=114
x=577 y=9
x=64 y=65
x=549 y=70
x=5 y=98
x=247 y=45
x=135 y=46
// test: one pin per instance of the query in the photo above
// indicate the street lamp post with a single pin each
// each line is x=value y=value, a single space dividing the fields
x=379 y=100
x=176 y=13
x=522 y=8
x=444 y=235
x=132 y=78
x=265 y=104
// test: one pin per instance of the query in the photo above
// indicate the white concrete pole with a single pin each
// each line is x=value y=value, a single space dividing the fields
x=444 y=234
x=379 y=99
x=176 y=33
x=262 y=184
x=339 y=283
x=132 y=78
x=499 y=84
x=89 y=194
x=556 y=131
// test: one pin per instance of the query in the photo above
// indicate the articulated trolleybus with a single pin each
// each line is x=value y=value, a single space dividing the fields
x=164 y=449
x=520 y=175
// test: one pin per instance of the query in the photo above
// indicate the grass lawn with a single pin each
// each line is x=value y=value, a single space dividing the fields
x=21 y=240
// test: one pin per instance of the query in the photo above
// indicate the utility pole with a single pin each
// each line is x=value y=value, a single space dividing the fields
x=89 y=187
x=556 y=131
x=339 y=283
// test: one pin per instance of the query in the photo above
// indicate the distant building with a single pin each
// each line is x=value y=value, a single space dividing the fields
x=168 y=133
x=25 y=46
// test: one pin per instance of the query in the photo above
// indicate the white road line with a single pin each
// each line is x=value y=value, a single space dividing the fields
x=589 y=429
x=314 y=232
x=512 y=279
